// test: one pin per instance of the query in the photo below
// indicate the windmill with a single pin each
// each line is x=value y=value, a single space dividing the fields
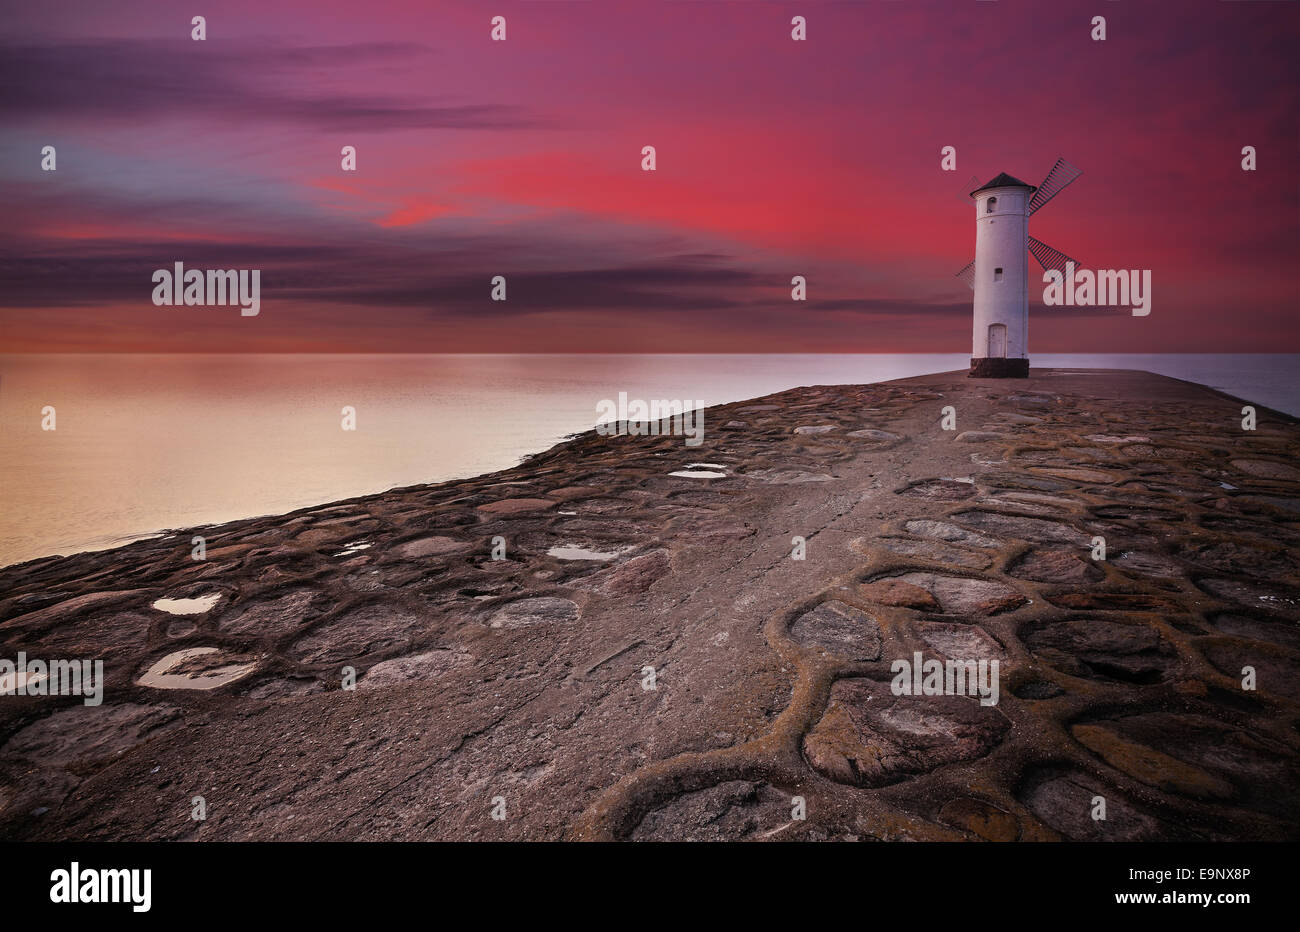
x=999 y=274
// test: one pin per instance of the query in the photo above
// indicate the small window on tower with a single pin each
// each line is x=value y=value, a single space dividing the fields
x=997 y=275
x=993 y=202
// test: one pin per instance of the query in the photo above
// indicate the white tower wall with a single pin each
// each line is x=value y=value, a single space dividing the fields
x=1001 y=242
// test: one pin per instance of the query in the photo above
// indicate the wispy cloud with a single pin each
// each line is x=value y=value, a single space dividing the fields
x=139 y=80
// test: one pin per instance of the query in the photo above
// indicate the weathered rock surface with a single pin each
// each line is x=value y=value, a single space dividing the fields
x=870 y=737
x=651 y=661
x=840 y=629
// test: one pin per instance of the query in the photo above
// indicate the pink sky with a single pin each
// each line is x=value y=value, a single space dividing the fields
x=522 y=158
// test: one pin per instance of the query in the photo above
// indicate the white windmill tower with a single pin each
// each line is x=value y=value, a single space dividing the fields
x=999 y=275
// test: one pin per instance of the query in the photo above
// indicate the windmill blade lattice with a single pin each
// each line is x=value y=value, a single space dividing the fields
x=968 y=275
x=1057 y=180
x=1048 y=257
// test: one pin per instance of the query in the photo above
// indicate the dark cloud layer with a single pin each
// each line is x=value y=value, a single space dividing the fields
x=141 y=80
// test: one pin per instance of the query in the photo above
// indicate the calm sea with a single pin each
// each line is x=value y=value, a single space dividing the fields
x=145 y=443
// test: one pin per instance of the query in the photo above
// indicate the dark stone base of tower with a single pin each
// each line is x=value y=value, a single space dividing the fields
x=998 y=368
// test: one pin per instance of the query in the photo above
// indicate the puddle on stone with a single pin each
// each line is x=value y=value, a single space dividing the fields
x=194 y=606
x=216 y=668
x=572 y=552
x=354 y=547
x=699 y=474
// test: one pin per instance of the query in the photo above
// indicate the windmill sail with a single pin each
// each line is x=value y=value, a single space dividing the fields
x=968 y=275
x=1048 y=257
x=1057 y=180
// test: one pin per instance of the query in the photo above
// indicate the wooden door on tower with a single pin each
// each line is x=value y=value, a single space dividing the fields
x=997 y=341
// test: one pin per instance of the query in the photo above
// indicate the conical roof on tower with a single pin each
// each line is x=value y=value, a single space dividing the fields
x=1003 y=180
